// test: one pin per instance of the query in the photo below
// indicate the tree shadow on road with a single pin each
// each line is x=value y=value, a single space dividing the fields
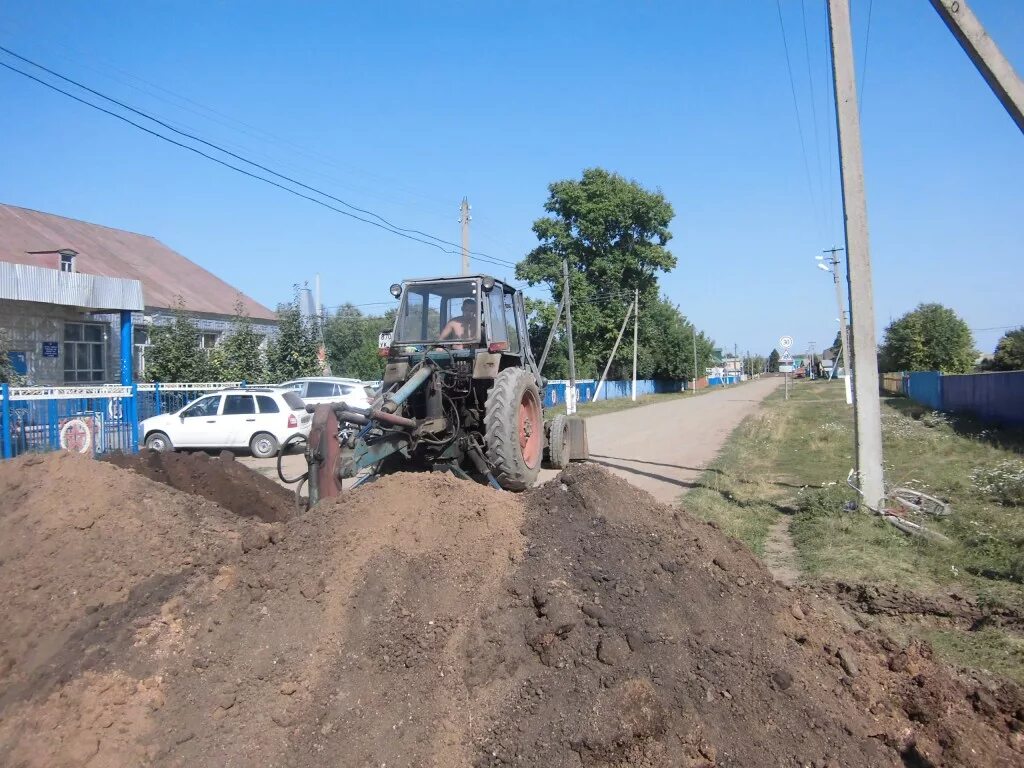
x=595 y=456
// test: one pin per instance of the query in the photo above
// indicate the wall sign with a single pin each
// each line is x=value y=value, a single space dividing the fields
x=51 y=349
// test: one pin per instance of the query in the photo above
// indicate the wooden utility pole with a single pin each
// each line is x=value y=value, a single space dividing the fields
x=844 y=331
x=464 y=218
x=866 y=402
x=570 y=395
x=636 y=325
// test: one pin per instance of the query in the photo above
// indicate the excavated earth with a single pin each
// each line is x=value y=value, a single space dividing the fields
x=426 y=621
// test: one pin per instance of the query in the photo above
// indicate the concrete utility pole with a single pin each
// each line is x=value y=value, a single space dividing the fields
x=636 y=324
x=570 y=395
x=464 y=218
x=866 y=402
x=983 y=51
x=551 y=334
x=604 y=376
x=844 y=331
x=694 y=329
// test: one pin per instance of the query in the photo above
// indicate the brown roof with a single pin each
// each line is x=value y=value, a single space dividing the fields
x=34 y=238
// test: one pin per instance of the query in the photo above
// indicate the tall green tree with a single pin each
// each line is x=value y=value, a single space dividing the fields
x=773 y=361
x=929 y=338
x=1009 y=355
x=7 y=373
x=293 y=352
x=174 y=353
x=240 y=356
x=351 y=341
x=613 y=233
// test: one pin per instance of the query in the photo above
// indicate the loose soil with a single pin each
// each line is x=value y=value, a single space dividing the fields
x=426 y=621
x=220 y=479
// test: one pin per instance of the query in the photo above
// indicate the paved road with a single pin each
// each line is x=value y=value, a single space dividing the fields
x=662 y=447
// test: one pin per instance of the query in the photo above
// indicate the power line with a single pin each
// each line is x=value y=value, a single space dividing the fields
x=385 y=224
x=864 y=61
x=810 y=88
x=796 y=108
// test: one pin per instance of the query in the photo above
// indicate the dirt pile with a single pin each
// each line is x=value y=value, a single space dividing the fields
x=425 y=621
x=92 y=559
x=220 y=479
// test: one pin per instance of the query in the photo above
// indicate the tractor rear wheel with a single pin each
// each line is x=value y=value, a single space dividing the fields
x=514 y=429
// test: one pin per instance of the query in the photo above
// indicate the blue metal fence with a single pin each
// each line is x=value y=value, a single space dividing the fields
x=554 y=392
x=155 y=399
x=925 y=387
x=80 y=419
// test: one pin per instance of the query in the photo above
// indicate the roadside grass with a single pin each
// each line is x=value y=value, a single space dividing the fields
x=792 y=459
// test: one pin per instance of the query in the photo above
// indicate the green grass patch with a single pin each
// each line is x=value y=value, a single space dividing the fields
x=793 y=458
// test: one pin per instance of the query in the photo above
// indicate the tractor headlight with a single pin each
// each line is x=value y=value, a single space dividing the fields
x=488 y=283
x=396 y=290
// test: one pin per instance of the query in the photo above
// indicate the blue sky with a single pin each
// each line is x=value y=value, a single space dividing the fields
x=403 y=108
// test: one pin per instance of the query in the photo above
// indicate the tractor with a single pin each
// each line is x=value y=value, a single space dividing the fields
x=461 y=392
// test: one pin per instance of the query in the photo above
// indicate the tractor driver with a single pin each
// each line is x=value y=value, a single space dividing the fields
x=463 y=326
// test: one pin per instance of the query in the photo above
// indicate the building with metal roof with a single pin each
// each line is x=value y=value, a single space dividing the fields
x=65 y=286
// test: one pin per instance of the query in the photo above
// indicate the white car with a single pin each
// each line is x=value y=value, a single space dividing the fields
x=330 y=389
x=261 y=419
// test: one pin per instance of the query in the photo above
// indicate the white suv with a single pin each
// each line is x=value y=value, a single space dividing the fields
x=258 y=418
x=330 y=389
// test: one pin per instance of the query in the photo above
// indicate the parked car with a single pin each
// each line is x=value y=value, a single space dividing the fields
x=258 y=418
x=315 y=390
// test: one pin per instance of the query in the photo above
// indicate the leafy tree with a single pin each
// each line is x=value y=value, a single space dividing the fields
x=929 y=338
x=240 y=356
x=174 y=353
x=773 y=361
x=1009 y=355
x=613 y=233
x=293 y=353
x=7 y=373
x=351 y=341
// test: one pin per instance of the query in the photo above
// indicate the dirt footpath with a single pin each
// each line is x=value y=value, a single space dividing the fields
x=662 y=448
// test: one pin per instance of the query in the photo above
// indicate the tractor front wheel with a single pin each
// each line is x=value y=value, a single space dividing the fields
x=514 y=429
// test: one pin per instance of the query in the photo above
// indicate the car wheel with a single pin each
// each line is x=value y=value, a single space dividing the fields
x=263 y=445
x=159 y=442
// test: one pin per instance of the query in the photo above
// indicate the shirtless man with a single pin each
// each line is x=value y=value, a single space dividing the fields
x=461 y=327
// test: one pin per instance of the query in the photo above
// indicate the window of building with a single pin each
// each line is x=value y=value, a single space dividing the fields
x=208 y=340
x=85 y=353
x=67 y=261
x=235 y=405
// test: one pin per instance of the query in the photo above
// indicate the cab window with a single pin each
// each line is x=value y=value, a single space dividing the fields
x=204 y=406
x=510 y=322
x=495 y=316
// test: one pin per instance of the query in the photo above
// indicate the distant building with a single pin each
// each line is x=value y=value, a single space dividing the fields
x=63 y=283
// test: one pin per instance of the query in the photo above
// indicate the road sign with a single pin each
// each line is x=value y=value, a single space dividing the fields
x=786 y=342
x=785 y=369
x=786 y=357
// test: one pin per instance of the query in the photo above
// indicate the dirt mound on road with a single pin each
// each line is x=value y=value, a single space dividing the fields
x=426 y=621
x=221 y=479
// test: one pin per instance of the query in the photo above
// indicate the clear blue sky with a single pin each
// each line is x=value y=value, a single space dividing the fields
x=406 y=107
